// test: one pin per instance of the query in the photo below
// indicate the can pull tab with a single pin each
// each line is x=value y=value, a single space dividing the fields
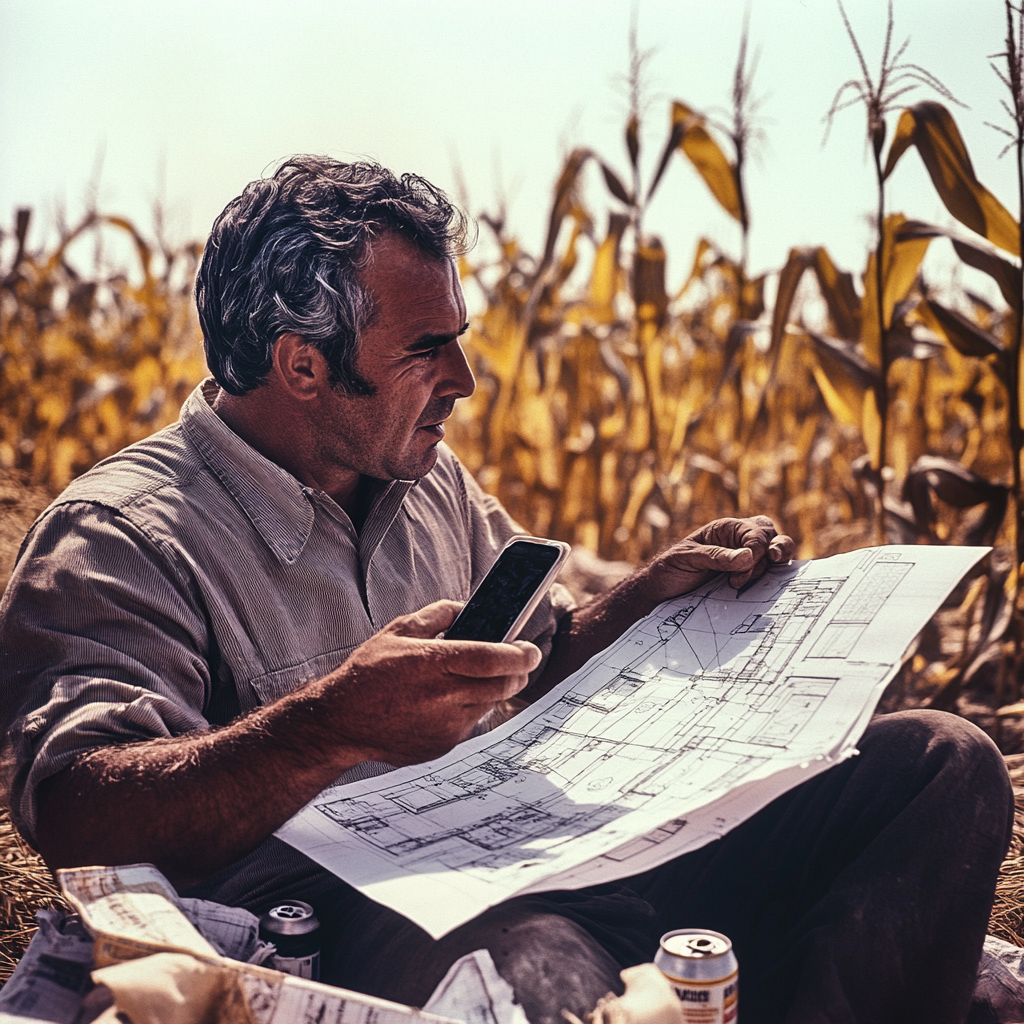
x=701 y=946
x=289 y=912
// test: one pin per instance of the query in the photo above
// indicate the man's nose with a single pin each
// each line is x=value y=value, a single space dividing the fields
x=457 y=378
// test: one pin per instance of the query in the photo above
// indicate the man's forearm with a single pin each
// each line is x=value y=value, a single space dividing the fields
x=192 y=804
x=195 y=804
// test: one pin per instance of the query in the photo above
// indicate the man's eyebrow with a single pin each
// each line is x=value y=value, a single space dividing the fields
x=427 y=341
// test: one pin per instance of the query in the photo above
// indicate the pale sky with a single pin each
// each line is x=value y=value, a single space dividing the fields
x=191 y=99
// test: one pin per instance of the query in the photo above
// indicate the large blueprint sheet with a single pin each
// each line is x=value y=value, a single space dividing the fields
x=689 y=723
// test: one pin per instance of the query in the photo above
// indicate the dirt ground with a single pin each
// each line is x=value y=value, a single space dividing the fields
x=20 y=503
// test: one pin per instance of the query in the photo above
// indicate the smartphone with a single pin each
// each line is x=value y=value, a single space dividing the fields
x=510 y=592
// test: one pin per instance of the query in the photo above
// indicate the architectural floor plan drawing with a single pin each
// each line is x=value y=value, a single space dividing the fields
x=690 y=722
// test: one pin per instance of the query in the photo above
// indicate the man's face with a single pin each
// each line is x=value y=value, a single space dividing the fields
x=410 y=353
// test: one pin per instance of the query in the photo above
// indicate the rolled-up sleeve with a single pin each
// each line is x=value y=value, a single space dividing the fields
x=102 y=641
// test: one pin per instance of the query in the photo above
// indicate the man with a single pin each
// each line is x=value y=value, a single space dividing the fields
x=210 y=627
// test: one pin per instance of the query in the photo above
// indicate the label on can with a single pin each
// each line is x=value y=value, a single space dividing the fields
x=300 y=966
x=708 y=1003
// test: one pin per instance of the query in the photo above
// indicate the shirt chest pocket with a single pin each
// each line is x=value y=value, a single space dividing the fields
x=271 y=686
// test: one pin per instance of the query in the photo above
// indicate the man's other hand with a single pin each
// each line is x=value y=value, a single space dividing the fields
x=405 y=697
x=743 y=548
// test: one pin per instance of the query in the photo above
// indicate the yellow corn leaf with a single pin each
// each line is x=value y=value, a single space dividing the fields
x=525 y=465
x=141 y=246
x=62 y=460
x=703 y=248
x=708 y=159
x=588 y=535
x=563 y=201
x=982 y=258
x=570 y=257
x=686 y=407
x=109 y=415
x=930 y=127
x=610 y=487
x=52 y=408
x=797 y=262
x=579 y=492
x=604 y=279
x=842 y=389
x=907 y=433
x=536 y=427
x=835 y=400
x=147 y=375
x=653 y=362
x=902 y=263
x=501 y=340
x=639 y=437
x=549 y=467
x=752 y=298
x=871 y=428
x=643 y=484
x=839 y=294
x=962 y=333
x=614 y=424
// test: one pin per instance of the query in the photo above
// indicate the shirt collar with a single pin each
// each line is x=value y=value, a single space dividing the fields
x=276 y=503
x=270 y=496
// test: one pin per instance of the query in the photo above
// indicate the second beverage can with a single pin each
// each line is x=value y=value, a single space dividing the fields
x=702 y=968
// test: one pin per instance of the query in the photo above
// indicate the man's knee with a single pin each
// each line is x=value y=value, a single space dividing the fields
x=944 y=750
x=924 y=734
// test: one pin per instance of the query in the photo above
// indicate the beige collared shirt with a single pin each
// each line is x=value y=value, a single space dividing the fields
x=187 y=580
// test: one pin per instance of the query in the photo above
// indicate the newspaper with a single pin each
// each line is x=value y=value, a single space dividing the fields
x=131 y=912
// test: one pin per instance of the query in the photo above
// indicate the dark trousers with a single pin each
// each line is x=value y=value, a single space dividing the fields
x=860 y=896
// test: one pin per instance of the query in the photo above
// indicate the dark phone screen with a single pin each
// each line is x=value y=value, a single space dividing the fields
x=504 y=592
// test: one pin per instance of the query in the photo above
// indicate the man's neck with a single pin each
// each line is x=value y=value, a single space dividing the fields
x=258 y=419
x=358 y=506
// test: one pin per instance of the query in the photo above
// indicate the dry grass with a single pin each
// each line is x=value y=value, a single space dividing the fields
x=26 y=886
x=1007 y=921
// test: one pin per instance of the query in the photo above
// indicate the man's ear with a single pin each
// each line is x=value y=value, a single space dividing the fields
x=300 y=367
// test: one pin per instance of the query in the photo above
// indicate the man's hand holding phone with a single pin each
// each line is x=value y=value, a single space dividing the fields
x=405 y=696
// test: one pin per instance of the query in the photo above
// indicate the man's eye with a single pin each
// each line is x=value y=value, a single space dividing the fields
x=428 y=354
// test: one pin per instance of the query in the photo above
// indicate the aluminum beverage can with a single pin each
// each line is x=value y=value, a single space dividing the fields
x=294 y=929
x=701 y=967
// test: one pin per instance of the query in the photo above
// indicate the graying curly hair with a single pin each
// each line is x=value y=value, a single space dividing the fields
x=285 y=256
